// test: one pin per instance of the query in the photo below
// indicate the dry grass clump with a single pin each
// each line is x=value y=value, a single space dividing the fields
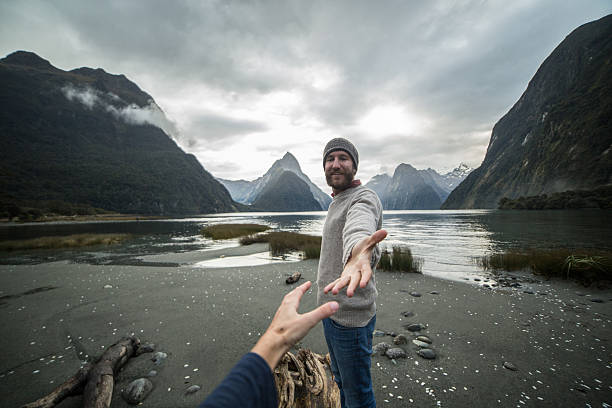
x=227 y=231
x=282 y=242
x=400 y=259
x=69 y=241
x=585 y=265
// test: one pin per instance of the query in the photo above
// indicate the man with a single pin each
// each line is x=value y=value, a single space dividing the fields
x=349 y=251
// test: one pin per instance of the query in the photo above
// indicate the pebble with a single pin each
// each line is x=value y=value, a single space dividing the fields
x=395 y=353
x=108 y=286
x=477 y=279
x=427 y=353
x=192 y=389
x=424 y=338
x=415 y=294
x=152 y=373
x=433 y=292
x=414 y=327
x=378 y=333
x=380 y=348
x=147 y=348
x=530 y=292
x=391 y=333
x=510 y=366
x=421 y=344
x=408 y=314
x=159 y=357
x=400 y=339
x=137 y=390
x=597 y=300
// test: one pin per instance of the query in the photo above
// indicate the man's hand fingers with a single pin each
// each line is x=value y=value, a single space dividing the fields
x=296 y=294
x=315 y=316
x=366 y=275
x=350 y=291
x=342 y=282
x=376 y=237
x=330 y=286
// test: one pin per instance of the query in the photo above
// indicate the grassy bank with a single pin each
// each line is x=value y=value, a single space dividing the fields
x=228 y=231
x=584 y=265
x=282 y=242
x=69 y=241
x=400 y=259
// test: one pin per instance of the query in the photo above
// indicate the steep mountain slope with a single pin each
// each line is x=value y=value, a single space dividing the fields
x=285 y=191
x=89 y=137
x=557 y=136
x=247 y=192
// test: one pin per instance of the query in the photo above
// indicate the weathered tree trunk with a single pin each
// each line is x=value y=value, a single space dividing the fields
x=96 y=382
x=306 y=381
x=293 y=278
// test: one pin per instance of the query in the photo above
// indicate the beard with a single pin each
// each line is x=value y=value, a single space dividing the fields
x=339 y=179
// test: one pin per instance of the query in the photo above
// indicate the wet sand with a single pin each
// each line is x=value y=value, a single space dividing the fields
x=205 y=319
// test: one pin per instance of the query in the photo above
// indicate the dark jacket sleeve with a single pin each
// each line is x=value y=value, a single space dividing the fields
x=249 y=384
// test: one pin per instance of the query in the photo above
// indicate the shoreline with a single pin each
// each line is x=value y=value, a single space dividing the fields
x=206 y=319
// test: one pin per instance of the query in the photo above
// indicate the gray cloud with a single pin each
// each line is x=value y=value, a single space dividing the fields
x=215 y=131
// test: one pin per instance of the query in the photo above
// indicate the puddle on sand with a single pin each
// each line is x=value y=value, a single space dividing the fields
x=261 y=258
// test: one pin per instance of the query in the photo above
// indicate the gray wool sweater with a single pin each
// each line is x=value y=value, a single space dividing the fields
x=354 y=214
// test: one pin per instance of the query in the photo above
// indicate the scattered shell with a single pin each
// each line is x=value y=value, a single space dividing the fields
x=108 y=286
x=424 y=338
x=192 y=389
x=510 y=366
x=415 y=294
x=420 y=343
x=414 y=327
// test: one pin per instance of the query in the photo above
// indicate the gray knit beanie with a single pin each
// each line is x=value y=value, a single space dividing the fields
x=340 y=143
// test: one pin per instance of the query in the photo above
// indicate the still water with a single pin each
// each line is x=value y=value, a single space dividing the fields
x=447 y=241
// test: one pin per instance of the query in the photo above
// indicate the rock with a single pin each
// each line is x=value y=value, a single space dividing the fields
x=159 y=357
x=424 y=338
x=408 y=314
x=146 y=348
x=137 y=390
x=434 y=292
x=395 y=353
x=400 y=339
x=380 y=349
x=152 y=373
x=515 y=285
x=192 y=389
x=391 y=333
x=530 y=292
x=378 y=333
x=108 y=286
x=415 y=294
x=477 y=279
x=293 y=278
x=429 y=354
x=510 y=366
x=542 y=293
x=415 y=327
x=597 y=300
x=420 y=343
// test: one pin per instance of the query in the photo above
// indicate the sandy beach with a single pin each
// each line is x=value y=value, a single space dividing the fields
x=558 y=338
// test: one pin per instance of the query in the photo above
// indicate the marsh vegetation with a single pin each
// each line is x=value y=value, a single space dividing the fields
x=400 y=259
x=69 y=241
x=228 y=231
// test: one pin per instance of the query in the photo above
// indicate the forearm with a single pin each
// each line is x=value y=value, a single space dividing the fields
x=271 y=348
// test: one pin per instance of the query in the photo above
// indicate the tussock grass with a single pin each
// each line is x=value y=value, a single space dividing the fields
x=585 y=265
x=282 y=242
x=228 y=231
x=400 y=259
x=69 y=241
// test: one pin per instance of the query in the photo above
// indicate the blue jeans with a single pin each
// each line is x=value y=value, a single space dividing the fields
x=350 y=350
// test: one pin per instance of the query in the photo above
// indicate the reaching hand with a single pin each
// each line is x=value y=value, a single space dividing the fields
x=288 y=327
x=357 y=270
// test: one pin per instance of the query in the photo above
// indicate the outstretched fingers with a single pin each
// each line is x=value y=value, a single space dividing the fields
x=315 y=316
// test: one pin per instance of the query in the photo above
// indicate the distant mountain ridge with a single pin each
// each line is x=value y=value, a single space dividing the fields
x=557 y=136
x=412 y=189
x=249 y=192
x=85 y=136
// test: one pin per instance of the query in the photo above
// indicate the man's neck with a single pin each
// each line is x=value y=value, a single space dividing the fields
x=354 y=183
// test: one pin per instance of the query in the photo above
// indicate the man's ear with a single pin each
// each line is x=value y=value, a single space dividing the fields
x=354 y=170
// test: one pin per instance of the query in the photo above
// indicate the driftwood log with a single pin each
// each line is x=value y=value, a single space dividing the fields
x=293 y=278
x=94 y=381
x=305 y=381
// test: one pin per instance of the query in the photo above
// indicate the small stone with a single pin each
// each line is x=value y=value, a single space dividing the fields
x=159 y=357
x=378 y=333
x=414 y=327
x=152 y=373
x=395 y=353
x=380 y=349
x=597 y=300
x=477 y=279
x=542 y=293
x=391 y=333
x=510 y=366
x=424 y=338
x=192 y=389
x=434 y=292
x=108 y=286
x=146 y=348
x=429 y=354
x=415 y=294
x=293 y=278
x=408 y=314
x=137 y=390
x=400 y=339
x=420 y=343
x=530 y=292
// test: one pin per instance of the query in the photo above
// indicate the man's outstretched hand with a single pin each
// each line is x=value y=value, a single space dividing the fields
x=357 y=270
x=288 y=327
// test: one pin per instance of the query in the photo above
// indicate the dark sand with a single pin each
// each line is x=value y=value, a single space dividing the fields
x=205 y=319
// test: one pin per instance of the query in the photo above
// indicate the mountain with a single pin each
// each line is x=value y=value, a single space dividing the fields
x=95 y=139
x=557 y=137
x=286 y=191
x=411 y=189
x=247 y=192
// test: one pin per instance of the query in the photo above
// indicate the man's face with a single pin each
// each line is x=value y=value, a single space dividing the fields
x=339 y=170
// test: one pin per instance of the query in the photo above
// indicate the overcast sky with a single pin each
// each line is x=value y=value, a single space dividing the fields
x=410 y=81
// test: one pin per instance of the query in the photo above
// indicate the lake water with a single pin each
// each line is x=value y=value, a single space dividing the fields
x=448 y=241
